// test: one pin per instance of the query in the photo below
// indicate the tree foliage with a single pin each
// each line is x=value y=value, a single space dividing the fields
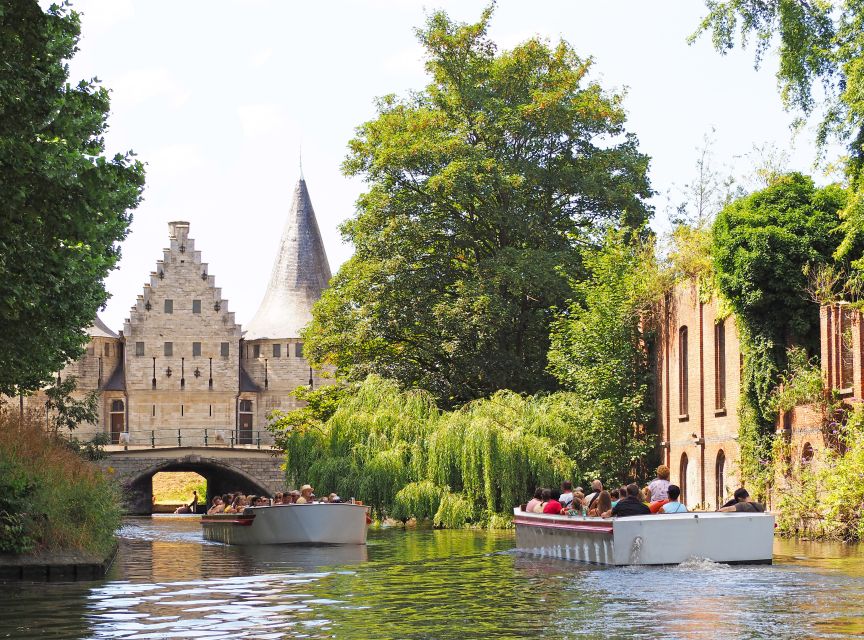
x=396 y=451
x=483 y=189
x=64 y=204
x=599 y=351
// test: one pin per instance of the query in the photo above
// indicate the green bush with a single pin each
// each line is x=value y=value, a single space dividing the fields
x=50 y=497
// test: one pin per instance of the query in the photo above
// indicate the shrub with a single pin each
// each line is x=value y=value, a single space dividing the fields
x=50 y=497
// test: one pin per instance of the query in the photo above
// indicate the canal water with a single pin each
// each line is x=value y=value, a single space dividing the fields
x=168 y=583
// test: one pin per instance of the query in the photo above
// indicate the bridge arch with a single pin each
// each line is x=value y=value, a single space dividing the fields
x=222 y=477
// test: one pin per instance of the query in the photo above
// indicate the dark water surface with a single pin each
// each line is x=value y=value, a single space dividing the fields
x=168 y=583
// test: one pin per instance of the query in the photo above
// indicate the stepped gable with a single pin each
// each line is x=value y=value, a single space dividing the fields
x=300 y=274
x=180 y=262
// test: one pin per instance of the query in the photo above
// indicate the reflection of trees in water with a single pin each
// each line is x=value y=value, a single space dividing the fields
x=40 y=610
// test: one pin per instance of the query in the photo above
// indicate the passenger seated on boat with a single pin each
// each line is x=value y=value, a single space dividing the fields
x=536 y=500
x=217 y=507
x=659 y=485
x=236 y=505
x=744 y=503
x=566 y=494
x=596 y=488
x=673 y=506
x=333 y=497
x=602 y=504
x=614 y=495
x=646 y=495
x=632 y=505
x=656 y=505
x=577 y=507
x=293 y=497
x=550 y=502
x=306 y=494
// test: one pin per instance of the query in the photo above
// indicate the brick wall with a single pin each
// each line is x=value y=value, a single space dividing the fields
x=702 y=430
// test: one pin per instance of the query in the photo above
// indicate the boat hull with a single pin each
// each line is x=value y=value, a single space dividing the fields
x=735 y=538
x=318 y=523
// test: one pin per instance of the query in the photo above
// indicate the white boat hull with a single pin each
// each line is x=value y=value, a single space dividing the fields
x=317 y=523
x=735 y=538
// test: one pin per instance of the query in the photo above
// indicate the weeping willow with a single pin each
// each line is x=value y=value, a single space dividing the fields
x=397 y=452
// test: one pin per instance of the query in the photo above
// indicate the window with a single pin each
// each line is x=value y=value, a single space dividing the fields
x=846 y=351
x=277 y=350
x=139 y=348
x=682 y=372
x=256 y=350
x=169 y=348
x=298 y=349
x=244 y=426
x=682 y=478
x=223 y=349
x=107 y=349
x=196 y=349
x=720 y=477
x=720 y=366
x=117 y=419
x=246 y=406
x=169 y=306
x=196 y=306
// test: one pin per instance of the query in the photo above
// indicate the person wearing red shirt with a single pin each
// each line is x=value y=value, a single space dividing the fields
x=550 y=502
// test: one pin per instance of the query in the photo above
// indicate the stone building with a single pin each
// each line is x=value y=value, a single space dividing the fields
x=182 y=371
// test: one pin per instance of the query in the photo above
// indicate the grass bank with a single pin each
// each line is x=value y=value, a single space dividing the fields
x=51 y=499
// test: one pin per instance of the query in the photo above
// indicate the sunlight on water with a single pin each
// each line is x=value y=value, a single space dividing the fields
x=168 y=583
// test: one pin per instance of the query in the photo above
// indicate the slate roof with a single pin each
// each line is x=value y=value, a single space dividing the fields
x=300 y=273
x=100 y=330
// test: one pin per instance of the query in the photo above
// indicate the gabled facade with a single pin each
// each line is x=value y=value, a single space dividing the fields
x=181 y=372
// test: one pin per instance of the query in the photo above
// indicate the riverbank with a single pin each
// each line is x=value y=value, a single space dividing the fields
x=56 y=566
x=54 y=504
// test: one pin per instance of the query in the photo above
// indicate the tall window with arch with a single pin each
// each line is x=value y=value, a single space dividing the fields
x=682 y=477
x=720 y=366
x=720 y=478
x=683 y=389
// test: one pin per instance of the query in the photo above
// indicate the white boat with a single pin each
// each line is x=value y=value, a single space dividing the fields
x=733 y=538
x=315 y=523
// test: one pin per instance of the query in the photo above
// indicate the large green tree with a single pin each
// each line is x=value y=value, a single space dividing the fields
x=64 y=205
x=483 y=189
x=820 y=45
x=761 y=246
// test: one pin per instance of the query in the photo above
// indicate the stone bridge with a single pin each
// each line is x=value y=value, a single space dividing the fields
x=252 y=471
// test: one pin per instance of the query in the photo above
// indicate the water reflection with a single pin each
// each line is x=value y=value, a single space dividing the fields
x=168 y=583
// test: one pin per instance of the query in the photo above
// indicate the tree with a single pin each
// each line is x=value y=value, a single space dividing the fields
x=761 y=245
x=820 y=46
x=483 y=190
x=599 y=352
x=65 y=206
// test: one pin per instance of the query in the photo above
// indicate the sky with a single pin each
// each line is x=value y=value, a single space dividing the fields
x=218 y=98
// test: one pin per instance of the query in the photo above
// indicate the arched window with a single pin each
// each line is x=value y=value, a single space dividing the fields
x=807 y=453
x=682 y=372
x=720 y=366
x=720 y=477
x=682 y=478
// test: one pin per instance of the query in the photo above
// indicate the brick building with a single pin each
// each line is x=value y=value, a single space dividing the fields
x=698 y=363
x=182 y=370
x=698 y=379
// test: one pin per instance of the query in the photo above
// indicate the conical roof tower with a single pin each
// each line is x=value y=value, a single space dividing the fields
x=299 y=275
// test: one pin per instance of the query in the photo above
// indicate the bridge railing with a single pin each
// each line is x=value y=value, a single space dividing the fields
x=204 y=437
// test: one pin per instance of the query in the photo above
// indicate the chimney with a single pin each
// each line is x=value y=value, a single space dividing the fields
x=179 y=231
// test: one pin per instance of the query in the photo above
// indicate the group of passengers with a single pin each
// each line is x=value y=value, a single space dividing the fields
x=237 y=502
x=659 y=496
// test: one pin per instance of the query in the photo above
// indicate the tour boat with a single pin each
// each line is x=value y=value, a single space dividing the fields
x=314 y=523
x=733 y=538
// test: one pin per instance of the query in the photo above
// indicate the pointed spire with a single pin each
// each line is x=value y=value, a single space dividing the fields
x=299 y=275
